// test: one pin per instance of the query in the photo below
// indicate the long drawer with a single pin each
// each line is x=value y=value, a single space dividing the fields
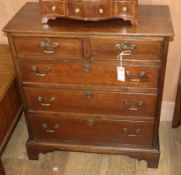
x=90 y=102
x=91 y=130
x=92 y=74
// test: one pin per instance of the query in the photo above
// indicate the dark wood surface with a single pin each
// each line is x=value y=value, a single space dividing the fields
x=67 y=74
x=177 y=112
x=10 y=103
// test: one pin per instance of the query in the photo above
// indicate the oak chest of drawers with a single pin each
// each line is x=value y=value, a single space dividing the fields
x=67 y=72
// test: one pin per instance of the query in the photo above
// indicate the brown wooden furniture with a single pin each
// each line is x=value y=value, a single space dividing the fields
x=10 y=103
x=72 y=98
x=89 y=10
x=177 y=112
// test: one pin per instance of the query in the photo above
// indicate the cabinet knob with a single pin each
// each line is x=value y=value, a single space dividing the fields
x=54 y=8
x=101 y=11
x=124 y=9
x=77 y=10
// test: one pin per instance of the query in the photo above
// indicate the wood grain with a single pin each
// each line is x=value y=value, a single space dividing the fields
x=71 y=163
x=154 y=29
x=8 y=8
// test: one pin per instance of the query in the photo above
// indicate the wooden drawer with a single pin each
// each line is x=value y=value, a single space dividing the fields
x=51 y=48
x=94 y=73
x=90 y=11
x=110 y=49
x=91 y=130
x=124 y=8
x=90 y=102
x=54 y=8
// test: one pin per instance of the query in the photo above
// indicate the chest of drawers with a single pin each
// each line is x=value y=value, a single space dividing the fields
x=89 y=10
x=72 y=98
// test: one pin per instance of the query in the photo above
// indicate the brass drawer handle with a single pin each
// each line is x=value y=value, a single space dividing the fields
x=90 y=122
x=48 y=46
x=41 y=74
x=42 y=103
x=141 y=77
x=87 y=67
x=125 y=46
x=45 y=127
x=132 y=132
x=89 y=95
x=132 y=107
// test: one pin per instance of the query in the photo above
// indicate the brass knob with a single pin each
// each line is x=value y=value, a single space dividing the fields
x=124 y=9
x=101 y=11
x=77 y=10
x=54 y=8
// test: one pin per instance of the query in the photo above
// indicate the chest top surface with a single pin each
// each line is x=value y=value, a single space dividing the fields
x=152 y=21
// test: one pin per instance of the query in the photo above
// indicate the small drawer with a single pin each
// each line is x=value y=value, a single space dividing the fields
x=104 y=10
x=76 y=10
x=124 y=8
x=91 y=102
x=53 y=8
x=93 y=131
x=91 y=11
x=138 y=49
x=90 y=74
x=49 y=47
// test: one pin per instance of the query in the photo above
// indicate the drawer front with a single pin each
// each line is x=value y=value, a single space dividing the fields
x=54 y=8
x=91 y=131
x=89 y=11
x=51 y=48
x=90 y=102
x=125 y=8
x=110 y=49
x=91 y=74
